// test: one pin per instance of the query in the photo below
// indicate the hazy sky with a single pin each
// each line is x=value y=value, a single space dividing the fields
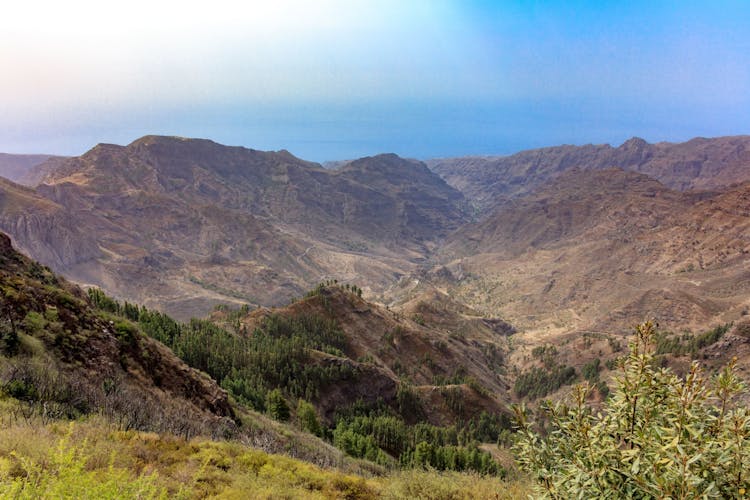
x=342 y=79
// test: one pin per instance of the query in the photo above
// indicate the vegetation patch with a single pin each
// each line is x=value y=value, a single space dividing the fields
x=687 y=343
x=270 y=370
x=537 y=382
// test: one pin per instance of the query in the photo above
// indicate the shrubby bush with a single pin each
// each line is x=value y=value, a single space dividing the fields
x=64 y=474
x=658 y=436
x=307 y=418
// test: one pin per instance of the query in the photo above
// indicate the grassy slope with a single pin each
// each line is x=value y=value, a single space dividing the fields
x=89 y=459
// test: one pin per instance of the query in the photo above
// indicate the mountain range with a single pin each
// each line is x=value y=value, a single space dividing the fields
x=551 y=241
x=698 y=164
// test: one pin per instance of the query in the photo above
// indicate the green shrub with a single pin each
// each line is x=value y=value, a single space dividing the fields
x=547 y=354
x=21 y=390
x=680 y=345
x=125 y=331
x=657 y=436
x=64 y=474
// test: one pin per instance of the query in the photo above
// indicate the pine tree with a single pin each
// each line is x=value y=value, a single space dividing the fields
x=277 y=406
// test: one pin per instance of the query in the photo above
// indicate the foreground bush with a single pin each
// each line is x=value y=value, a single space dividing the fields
x=658 y=436
x=63 y=474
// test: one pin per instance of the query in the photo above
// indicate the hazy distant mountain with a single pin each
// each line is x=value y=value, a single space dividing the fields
x=183 y=224
x=18 y=167
x=697 y=164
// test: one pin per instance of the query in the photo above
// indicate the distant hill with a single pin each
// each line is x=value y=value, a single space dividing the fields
x=697 y=164
x=18 y=168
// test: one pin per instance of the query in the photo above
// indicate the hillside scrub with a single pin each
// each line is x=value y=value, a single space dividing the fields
x=251 y=364
x=657 y=436
x=269 y=370
x=89 y=460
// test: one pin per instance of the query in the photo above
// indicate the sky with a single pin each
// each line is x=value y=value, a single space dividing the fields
x=338 y=79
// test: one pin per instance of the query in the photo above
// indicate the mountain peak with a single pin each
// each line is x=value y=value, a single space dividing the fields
x=148 y=140
x=384 y=162
x=634 y=143
x=104 y=146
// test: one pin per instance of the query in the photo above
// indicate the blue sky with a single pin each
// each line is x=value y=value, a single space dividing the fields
x=338 y=79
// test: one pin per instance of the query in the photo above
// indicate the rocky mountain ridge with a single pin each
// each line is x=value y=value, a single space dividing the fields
x=184 y=224
x=698 y=164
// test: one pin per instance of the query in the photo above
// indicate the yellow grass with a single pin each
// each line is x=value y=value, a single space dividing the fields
x=88 y=459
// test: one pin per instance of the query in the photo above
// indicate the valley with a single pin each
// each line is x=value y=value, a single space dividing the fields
x=372 y=315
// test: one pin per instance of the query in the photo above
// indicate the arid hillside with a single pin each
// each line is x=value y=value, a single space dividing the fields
x=605 y=249
x=184 y=224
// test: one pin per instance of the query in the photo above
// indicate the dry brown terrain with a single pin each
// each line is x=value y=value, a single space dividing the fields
x=183 y=224
x=602 y=250
x=697 y=164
